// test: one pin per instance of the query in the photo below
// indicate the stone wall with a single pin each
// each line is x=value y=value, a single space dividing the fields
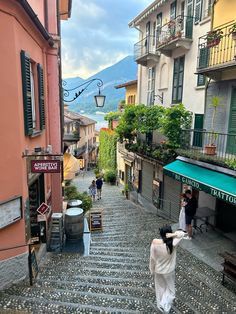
x=13 y=270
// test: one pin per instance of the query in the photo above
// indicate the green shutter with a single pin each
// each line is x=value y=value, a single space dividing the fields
x=203 y=57
x=201 y=80
x=41 y=97
x=26 y=91
x=178 y=78
x=231 y=143
x=198 y=126
x=198 y=11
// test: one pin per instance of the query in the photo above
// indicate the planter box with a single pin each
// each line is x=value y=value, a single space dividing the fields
x=213 y=43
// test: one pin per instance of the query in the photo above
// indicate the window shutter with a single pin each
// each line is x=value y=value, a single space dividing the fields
x=201 y=79
x=198 y=11
x=41 y=96
x=26 y=91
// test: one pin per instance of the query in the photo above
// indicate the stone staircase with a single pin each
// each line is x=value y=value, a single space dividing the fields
x=115 y=277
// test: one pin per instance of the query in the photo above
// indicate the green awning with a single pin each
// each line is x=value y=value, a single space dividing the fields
x=217 y=184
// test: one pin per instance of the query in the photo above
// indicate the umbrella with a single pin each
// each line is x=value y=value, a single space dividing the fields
x=70 y=166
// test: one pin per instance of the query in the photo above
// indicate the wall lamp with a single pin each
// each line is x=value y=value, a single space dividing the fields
x=160 y=97
x=99 y=98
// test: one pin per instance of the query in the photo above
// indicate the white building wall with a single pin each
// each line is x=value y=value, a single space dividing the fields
x=193 y=96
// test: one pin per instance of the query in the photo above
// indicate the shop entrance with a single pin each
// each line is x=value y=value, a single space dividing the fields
x=226 y=216
x=36 y=197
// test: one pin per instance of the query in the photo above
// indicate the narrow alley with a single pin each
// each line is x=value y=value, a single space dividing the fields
x=115 y=278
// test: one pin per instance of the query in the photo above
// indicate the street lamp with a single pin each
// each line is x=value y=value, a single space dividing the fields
x=99 y=98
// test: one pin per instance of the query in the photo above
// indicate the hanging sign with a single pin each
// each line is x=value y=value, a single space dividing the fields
x=42 y=208
x=45 y=166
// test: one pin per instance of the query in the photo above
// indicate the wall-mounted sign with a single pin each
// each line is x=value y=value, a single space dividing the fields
x=96 y=220
x=42 y=208
x=45 y=166
x=10 y=211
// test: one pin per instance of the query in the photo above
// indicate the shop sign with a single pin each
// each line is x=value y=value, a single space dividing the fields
x=95 y=220
x=45 y=166
x=202 y=187
x=10 y=211
x=42 y=208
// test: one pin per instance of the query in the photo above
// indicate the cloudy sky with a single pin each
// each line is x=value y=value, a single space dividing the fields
x=97 y=35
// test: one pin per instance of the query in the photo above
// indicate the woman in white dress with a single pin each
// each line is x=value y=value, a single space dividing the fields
x=182 y=220
x=162 y=266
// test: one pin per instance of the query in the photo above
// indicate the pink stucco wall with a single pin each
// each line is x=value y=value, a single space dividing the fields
x=17 y=32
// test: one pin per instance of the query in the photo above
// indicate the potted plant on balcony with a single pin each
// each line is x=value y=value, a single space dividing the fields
x=210 y=148
x=214 y=37
x=232 y=31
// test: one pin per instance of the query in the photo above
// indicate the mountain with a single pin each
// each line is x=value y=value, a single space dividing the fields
x=119 y=73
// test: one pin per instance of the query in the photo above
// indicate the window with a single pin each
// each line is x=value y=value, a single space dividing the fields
x=33 y=94
x=154 y=34
x=158 y=25
x=151 y=86
x=178 y=79
x=173 y=10
x=201 y=80
x=198 y=11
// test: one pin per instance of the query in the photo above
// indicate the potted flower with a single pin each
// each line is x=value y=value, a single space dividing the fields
x=210 y=148
x=232 y=31
x=214 y=37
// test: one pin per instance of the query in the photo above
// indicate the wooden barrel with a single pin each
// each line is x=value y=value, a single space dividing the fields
x=74 y=223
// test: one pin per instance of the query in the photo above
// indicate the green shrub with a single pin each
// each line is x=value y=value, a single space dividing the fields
x=110 y=176
x=71 y=193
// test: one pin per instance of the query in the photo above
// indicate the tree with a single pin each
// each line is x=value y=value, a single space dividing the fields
x=173 y=121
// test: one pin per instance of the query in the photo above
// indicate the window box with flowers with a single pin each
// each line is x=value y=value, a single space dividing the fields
x=214 y=37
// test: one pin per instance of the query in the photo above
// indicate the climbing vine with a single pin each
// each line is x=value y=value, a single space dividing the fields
x=107 y=150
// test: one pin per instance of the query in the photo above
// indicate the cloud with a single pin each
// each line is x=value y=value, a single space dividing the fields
x=97 y=35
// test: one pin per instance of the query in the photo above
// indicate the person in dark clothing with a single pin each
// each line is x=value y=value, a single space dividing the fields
x=190 y=211
x=99 y=184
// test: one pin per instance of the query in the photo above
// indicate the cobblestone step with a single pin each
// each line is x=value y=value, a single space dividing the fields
x=36 y=306
x=85 y=298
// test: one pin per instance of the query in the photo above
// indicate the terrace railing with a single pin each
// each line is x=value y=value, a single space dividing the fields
x=217 y=48
x=218 y=146
x=179 y=28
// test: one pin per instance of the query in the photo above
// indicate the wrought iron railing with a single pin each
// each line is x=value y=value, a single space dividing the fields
x=217 y=48
x=145 y=46
x=180 y=27
x=218 y=146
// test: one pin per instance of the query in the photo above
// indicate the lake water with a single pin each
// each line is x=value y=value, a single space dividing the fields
x=101 y=123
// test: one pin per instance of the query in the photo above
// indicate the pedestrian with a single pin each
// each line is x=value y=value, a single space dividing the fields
x=162 y=266
x=182 y=219
x=99 y=184
x=190 y=211
x=92 y=190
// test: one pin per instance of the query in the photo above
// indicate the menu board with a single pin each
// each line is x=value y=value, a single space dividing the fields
x=96 y=220
x=10 y=211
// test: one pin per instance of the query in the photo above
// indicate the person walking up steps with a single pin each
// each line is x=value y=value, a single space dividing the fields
x=162 y=266
x=99 y=184
x=92 y=190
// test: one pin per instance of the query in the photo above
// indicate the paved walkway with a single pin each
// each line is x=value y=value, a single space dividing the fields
x=115 y=278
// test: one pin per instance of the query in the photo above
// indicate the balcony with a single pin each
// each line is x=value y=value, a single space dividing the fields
x=175 y=34
x=217 y=52
x=213 y=147
x=145 y=51
x=71 y=137
x=80 y=151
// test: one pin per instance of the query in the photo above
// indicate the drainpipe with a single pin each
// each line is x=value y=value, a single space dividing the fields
x=60 y=78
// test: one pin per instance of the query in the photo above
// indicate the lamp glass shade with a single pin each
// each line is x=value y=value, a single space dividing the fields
x=99 y=100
